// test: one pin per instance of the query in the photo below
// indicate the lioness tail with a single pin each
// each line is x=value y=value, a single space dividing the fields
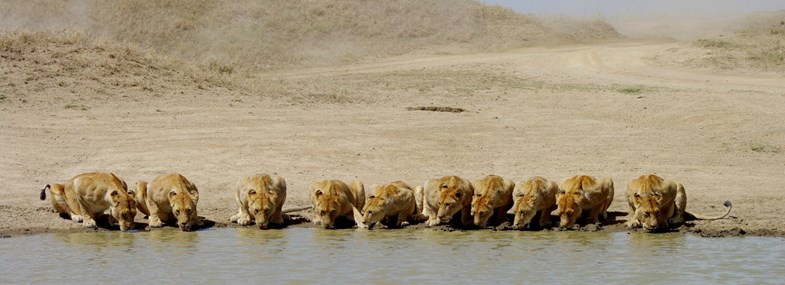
x=296 y=209
x=43 y=192
x=727 y=204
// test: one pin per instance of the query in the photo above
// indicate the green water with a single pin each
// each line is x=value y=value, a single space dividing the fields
x=311 y=255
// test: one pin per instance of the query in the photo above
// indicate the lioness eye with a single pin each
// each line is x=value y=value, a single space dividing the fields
x=176 y=212
x=323 y=212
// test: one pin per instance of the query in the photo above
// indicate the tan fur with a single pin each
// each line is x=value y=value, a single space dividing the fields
x=333 y=198
x=493 y=195
x=446 y=196
x=658 y=204
x=260 y=199
x=100 y=191
x=171 y=197
x=393 y=200
x=141 y=197
x=580 y=194
x=534 y=196
x=63 y=203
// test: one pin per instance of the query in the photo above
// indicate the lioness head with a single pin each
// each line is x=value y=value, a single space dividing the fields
x=524 y=210
x=327 y=202
x=261 y=204
x=183 y=206
x=569 y=208
x=374 y=210
x=123 y=209
x=450 y=199
x=482 y=209
x=648 y=211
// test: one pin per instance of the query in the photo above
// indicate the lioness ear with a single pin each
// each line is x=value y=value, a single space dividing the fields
x=194 y=196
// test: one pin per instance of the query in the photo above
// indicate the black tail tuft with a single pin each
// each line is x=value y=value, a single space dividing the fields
x=43 y=192
x=727 y=203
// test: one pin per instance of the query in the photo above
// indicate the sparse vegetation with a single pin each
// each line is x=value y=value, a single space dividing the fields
x=759 y=44
x=76 y=107
x=765 y=148
x=631 y=90
x=713 y=43
x=437 y=109
x=2 y=96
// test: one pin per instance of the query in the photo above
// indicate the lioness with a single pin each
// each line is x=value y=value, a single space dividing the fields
x=492 y=194
x=333 y=198
x=171 y=197
x=584 y=193
x=393 y=201
x=260 y=199
x=535 y=196
x=98 y=191
x=445 y=197
x=63 y=203
x=658 y=204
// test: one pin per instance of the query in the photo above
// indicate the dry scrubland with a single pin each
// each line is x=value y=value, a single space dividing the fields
x=332 y=89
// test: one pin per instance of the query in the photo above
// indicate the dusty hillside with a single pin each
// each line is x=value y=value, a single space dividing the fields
x=46 y=66
x=271 y=34
x=756 y=43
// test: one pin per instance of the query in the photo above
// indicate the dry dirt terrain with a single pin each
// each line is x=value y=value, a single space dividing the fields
x=619 y=108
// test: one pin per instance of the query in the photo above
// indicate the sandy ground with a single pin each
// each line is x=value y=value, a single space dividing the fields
x=616 y=109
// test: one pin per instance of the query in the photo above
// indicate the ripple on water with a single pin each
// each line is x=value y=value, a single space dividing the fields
x=311 y=255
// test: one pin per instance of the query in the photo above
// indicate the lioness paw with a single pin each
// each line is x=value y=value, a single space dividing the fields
x=77 y=218
x=89 y=223
x=244 y=221
x=156 y=224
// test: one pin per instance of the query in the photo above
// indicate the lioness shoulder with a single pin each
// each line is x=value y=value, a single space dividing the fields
x=391 y=201
x=260 y=199
x=492 y=195
x=584 y=196
x=332 y=199
x=445 y=197
x=171 y=197
x=535 y=196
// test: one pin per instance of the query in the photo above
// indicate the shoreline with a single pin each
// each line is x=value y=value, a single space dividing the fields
x=702 y=229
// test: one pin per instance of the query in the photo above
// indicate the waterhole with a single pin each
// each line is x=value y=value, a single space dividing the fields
x=312 y=255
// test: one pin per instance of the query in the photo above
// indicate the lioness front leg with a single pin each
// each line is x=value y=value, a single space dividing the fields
x=593 y=216
x=545 y=218
x=501 y=213
x=243 y=217
x=632 y=222
x=433 y=219
x=87 y=219
x=680 y=205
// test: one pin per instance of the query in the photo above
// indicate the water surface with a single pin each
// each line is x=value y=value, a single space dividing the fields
x=311 y=255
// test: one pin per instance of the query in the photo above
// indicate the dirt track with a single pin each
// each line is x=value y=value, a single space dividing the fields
x=619 y=109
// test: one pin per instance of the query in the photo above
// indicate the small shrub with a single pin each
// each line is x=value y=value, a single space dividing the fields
x=713 y=43
x=631 y=90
